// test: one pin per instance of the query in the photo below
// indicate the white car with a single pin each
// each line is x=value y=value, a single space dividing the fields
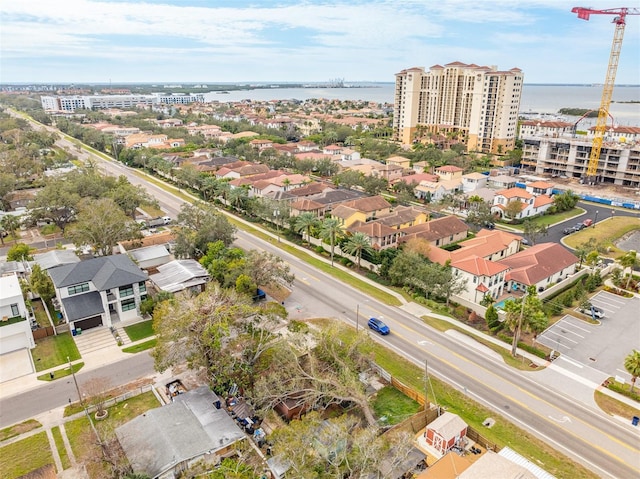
x=592 y=311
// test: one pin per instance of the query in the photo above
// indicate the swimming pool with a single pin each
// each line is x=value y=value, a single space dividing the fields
x=500 y=305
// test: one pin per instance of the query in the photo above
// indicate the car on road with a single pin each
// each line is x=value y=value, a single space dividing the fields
x=588 y=222
x=593 y=311
x=379 y=326
x=579 y=226
x=568 y=231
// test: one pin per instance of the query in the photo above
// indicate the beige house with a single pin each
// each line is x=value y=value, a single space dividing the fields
x=449 y=173
x=401 y=161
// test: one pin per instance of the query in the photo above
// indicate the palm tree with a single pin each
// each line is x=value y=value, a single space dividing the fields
x=356 y=245
x=629 y=260
x=329 y=230
x=304 y=222
x=238 y=197
x=524 y=314
x=10 y=224
x=632 y=365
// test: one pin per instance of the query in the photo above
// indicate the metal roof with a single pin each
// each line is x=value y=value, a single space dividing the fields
x=56 y=257
x=179 y=274
x=148 y=252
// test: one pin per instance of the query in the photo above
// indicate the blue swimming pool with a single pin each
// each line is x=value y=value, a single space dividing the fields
x=500 y=305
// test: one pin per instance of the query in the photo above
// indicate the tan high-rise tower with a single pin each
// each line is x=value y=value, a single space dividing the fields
x=477 y=104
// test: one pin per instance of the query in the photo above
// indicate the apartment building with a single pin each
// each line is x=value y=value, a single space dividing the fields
x=101 y=102
x=478 y=104
x=550 y=148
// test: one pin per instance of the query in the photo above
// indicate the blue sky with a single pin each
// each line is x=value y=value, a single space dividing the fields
x=209 y=41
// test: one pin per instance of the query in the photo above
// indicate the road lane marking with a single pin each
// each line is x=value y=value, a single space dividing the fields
x=537 y=398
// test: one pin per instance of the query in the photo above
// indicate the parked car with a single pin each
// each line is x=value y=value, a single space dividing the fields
x=588 y=222
x=568 y=231
x=579 y=226
x=592 y=311
x=378 y=326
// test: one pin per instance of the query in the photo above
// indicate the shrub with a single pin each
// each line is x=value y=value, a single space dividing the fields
x=319 y=249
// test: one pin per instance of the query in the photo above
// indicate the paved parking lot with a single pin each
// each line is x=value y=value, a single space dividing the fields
x=601 y=346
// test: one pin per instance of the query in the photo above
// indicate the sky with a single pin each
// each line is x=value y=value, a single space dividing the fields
x=214 y=41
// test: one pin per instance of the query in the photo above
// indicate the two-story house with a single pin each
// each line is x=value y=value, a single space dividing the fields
x=530 y=204
x=541 y=266
x=15 y=329
x=99 y=291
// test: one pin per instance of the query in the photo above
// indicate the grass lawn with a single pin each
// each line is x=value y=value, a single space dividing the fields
x=22 y=457
x=140 y=330
x=141 y=347
x=61 y=373
x=503 y=433
x=606 y=232
x=394 y=406
x=152 y=211
x=16 y=430
x=614 y=407
x=40 y=313
x=552 y=219
x=53 y=351
x=82 y=439
x=518 y=363
x=62 y=451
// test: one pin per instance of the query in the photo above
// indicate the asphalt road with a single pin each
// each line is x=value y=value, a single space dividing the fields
x=592 y=211
x=604 y=445
x=57 y=393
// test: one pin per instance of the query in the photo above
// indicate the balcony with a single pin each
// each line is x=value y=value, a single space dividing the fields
x=6 y=321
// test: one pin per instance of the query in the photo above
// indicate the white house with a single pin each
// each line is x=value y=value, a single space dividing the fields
x=530 y=204
x=482 y=277
x=474 y=181
x=541 y=266
x=15 y=329
x=99 y=291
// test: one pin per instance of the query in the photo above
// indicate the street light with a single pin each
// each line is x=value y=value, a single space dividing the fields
x=596 y=219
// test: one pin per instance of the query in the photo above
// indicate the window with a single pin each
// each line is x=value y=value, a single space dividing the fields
x=78 y=288
x=142 y=287
x=14 y=310
x=128 y=304
x=126 y=291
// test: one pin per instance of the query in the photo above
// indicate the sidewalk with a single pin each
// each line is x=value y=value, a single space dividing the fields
x=92 y=360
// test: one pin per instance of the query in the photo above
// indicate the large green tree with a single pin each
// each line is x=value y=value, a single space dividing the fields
x=101 y=224
x=356 y=245
x=41 y=284
x=129 y=197
x=198 y=225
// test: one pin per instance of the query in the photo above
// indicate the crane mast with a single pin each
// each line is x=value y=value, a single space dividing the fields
x=607 y=91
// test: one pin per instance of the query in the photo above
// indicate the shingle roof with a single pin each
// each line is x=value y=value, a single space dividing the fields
x=105 y=272
x=82 y=306
x=448 y=425
x=188 y=428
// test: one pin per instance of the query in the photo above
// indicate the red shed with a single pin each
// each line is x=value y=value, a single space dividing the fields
x=443 y=433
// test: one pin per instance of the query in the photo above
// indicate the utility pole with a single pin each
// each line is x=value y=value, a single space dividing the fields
x=357 y=316
x=75 y=381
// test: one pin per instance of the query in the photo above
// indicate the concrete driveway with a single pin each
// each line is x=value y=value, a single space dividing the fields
x=599 y=347
x=15 y=364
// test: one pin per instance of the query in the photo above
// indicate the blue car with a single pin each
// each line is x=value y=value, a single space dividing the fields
x=379 y=326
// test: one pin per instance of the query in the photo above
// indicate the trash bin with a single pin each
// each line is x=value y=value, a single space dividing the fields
x=78 y=331
x=73 y=332
x=635 y=420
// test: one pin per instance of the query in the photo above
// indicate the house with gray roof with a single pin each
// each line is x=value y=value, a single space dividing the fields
x=99 y=291
x=163 y=442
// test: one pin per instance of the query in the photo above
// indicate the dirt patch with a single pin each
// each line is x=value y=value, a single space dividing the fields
x=277 y=292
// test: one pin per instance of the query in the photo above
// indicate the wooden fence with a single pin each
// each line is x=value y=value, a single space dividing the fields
x=43 y=332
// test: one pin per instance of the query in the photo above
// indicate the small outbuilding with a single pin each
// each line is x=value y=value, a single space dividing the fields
x=179 y=275
x=445 y=432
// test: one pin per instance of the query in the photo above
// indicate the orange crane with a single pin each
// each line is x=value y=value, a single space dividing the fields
x=607 y=91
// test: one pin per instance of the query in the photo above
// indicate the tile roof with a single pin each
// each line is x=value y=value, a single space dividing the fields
x=436 y=229
x=478 y=266
x=538 y=262
x=542 y=200
x=515 y=193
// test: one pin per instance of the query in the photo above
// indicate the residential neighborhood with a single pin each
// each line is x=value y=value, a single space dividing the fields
x=213 y=279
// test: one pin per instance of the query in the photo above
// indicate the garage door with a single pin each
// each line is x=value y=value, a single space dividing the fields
x=13 y=342
x=88 y=323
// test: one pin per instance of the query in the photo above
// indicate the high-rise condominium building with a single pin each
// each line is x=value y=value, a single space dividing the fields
x=477 y=104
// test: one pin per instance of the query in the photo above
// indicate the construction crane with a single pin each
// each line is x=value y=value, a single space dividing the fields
x=607 y=91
